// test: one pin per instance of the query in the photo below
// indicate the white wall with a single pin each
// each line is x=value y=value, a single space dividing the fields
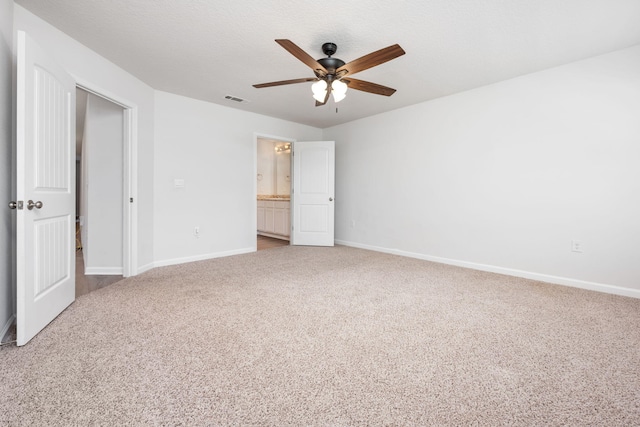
x=6 y=215
x=102 y=195
x=213 y=149
x=91 y=69
x=504 y=177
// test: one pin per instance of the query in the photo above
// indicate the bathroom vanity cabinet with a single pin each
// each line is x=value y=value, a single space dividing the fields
x=274 y=218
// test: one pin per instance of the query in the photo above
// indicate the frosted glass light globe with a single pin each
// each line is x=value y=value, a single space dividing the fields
x=339 y=90
x=319 y=90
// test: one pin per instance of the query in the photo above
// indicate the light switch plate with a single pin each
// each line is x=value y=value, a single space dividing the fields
x=576 y=246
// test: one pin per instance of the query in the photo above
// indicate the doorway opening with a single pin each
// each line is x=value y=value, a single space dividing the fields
x=104 y=143
x=273 y=191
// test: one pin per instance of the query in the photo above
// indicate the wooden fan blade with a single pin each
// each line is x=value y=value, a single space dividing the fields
x=368 y=87
x=371 y=60
x=303 y=56
x=285 y=82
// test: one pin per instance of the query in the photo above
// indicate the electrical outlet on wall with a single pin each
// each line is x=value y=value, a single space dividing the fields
x=196 y=232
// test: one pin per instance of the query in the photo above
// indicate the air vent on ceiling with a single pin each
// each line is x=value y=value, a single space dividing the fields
x=235 y=98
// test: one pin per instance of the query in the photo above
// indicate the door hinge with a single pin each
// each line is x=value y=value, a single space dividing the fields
x=130 y=199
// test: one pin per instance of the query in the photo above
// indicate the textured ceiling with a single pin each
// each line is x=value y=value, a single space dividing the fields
x=206 y=49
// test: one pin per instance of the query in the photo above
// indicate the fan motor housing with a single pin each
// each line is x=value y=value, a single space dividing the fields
x=331 y=64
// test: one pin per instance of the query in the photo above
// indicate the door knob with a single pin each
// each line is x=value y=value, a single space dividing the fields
x=331 y=199
x=13 y=205
x=31 y=204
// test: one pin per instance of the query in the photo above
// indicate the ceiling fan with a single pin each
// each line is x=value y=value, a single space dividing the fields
x=333 y=75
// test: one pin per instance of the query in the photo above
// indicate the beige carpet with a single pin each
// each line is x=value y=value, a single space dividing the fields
x=329 y=336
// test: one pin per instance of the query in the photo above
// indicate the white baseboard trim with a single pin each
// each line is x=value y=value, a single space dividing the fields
x=565 y=281
x=184 y=260
x=145 y=268
x=5 y=328
x=104 y=271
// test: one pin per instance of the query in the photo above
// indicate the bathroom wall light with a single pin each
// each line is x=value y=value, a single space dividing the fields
x=283 y=147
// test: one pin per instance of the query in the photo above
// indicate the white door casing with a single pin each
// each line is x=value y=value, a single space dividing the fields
x=129 y=176
x=313 y=193
x=45 y=158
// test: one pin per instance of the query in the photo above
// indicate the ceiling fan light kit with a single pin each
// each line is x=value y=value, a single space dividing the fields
x=338 y=89
x=330 y=72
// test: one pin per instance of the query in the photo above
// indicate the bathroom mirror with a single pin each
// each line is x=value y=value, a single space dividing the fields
x=283 y=173
x=274 y=168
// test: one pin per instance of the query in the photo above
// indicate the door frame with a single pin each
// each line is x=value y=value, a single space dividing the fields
x=129 y=174
x=256 y=136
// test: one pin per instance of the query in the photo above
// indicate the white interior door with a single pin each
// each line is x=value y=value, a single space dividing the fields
x=313 y=193
x=45 y=265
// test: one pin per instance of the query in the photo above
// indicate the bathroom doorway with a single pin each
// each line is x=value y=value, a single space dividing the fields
x=273 y=192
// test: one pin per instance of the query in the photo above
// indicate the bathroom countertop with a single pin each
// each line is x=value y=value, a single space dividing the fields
x=274 y=198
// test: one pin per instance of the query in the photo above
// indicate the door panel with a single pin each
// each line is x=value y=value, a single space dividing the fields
x=51 y=257
x=314 y=218
x=45 y=247
x=50 y=153
x=313 y=188
x=314 y=165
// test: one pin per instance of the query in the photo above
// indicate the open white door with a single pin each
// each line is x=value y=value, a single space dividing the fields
x=313 y=193
x=45 y=189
